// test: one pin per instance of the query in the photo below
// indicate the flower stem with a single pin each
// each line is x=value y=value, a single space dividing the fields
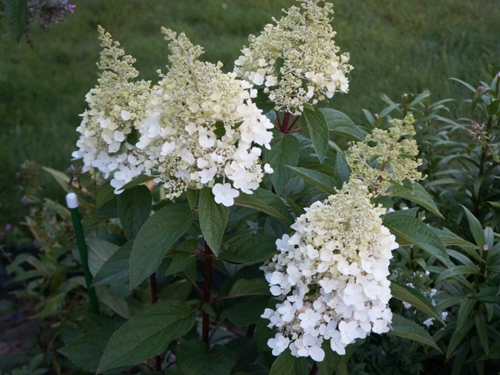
x=314 y=369
x=207 y=276
x=154 y=299
x=286 y=120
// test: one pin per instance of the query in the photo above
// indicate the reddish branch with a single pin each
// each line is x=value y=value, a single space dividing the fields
x=207 y=276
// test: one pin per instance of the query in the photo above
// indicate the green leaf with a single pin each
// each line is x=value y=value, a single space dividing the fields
x=250 y=249
x=255 y=287
x=315 y=178
x=247 y=312
x=458 y=337
x=99 y=251
x=419 y=196
x=285 y=150
x=265 y=201
x=414 y=298
x=104 y=194
x=482 y=330
x=86 y=351
x=412 y=230
x=109 y=298
x=456 y=271
x=340 y=123
x=193 y=358
x=213 y=219
x=156 y=236
x=192 y=196
x=475 y=228
x=318 y=131
x=449 y=238
x=177 y=291
x=134 y=207
x=137 y=181
x=287 y=364
x=464 y=311
x=342 y=171
x=116 y=268
x=331 y=361
x=410 y=330
x=147 y=334
x=16 y=14
x=180 y=263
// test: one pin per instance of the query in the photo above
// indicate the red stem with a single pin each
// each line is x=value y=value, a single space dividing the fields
x=207 y=276
x=154 y=299
x=314 y=369
x=293 y=123
x=285 y=123
x=278 y=117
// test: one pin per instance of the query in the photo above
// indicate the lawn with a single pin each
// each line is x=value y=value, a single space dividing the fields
x=395 y=46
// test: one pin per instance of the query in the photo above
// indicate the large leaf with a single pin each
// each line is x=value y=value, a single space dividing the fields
x=116 y=268
x=156 y=236
x=86 y=351
x=147 y=334
x=414 y=298
x=418 y=195
x=340 y=123
x=136 y=182
x=475 y=228
x=250 y=249
x=318 y=131
x=193 y=358
x=287 y=364
x=99 y=251
x=255 y=287
x=285 y=150
x=318 y=179
x=16 y=14
x=134 y=207
x=247 y=312
x=213 y=219
x=342 y=171
x=410 y=330
x=265 y=201
x=116 y=303
x=412 y=230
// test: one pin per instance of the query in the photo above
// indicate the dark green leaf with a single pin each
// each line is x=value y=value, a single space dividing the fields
x=285 y=150
x=414 y=298
x=134 y=207
x=410 y=330
x=475 y=228
x=419 y=196
x=213 y=219
x=104 y=194
x=137 y=181
x=247 y=312
x=192 y=196
x=412 y=230
x=147 y=334
x=16 y=14
x=255 y=287
x=116 y=268
x=287 y=364
x=250 y=249
x=342 y=171
x=318 y=179
x=456 y=271
x=156 y=236
x=340 y=123
x=180 y=263
x=318 y=131
x=265 y=201
x=99 y=251
x=464 y=311
x=458 y=336
x=482 y=330
x=193 y=359
x=331 y=362
x=177 y=291
x=118 y=304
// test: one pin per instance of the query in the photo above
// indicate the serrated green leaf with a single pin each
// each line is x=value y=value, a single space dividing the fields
x=118 y=304
x=194 y=359
x=414 y=298
x=267 y=202
x=180 y=263
x=412 y=230
x=315 y=178
x=419 y=196
x=16 y=14
x=287 y=364
x=250 y=249
x=475 y=228
x=255 y=287
x=177 y=291
x=213 y=219
x=247 y=312
x=285 y=150
x=99 y=251
x=147 y=334
x=134 y=208
x=340 y=123
x=410 y=330
x=86 y=351
x=318 y=131
x=116 y=268
x=156 y=236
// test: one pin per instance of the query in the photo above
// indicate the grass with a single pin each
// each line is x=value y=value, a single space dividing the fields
x=395 y=46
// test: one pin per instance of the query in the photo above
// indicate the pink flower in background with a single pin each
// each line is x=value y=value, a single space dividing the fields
x=71 y=8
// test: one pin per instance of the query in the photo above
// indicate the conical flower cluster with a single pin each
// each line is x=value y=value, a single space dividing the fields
x=331 y=276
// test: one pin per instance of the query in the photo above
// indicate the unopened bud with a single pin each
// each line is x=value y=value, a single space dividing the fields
x=486 y=248
x=376 y=116
x=480 y=90
x=405 y=96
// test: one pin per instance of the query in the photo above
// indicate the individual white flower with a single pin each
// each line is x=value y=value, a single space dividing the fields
x=428 y=322
x=202 y=128
x=331 y=275
x=224 y=194
x=296 y=60
x=116 y=107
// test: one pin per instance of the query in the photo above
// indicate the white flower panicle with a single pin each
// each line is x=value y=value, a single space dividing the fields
x=296 y=61
x=201 y=127
x=386 y=157
x=115 y=110
x=331 y=276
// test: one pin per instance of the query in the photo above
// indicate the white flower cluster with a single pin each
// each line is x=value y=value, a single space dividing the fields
x=201 y=125
x=296 y=61
x=115 y=110
x=331 y=276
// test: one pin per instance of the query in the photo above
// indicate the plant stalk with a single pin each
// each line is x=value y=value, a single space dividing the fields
x=154 y=299
x=207 y=277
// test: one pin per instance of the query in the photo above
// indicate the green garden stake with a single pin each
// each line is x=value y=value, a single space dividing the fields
x=72 y=203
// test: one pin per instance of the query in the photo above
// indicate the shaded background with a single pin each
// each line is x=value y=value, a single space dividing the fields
x=396 y=46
